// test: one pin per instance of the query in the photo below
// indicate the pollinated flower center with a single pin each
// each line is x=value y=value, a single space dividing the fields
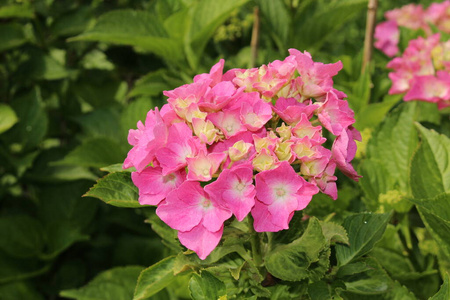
x=280 y=192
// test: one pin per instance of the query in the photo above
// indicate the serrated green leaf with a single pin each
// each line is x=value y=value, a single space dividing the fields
x=374 y=113
x=435 y=213
x=96 y=153
x=430 y=167
x=293 y=262
x=444 y=291
x=114 y=284
x=206 y=286
x=7 y=117
x=11 y=36
x=116 y=189
x=334 y=233
x=155 y=278
x=364 y=230
x=22 y=236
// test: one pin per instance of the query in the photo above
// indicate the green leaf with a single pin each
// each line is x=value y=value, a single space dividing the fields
x=389 y=153
x=168 y=235
x=155 y=278
x=16 y=11
x=277 y=17
x=42 y=66
x=65 y=215
x=33 y=122
x=444 y=291
x=372 y=114
x=334 y=233
x=139 y=29
x=205 y=17
x=315 y=28
x=7 y=117
x=116 y=189
x=103 y=123
x=297 y=260
x=430 y=167
x=360 y=96
x=364 y=230
x=22 y=236
x=206 y=286
x=11 y=36
x=19 y=290
x=72 y=23
x=370 y=282
x=435 y=213
x=114 y=284
x=96 y=153
x=117 y=168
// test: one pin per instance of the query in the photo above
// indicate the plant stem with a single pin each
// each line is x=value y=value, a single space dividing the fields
x=256 y=243
x=255 y=37
x=368 y=39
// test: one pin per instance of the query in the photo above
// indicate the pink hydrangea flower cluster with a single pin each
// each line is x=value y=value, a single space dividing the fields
x=250 y=141
x=411 y=16
x=423 y=71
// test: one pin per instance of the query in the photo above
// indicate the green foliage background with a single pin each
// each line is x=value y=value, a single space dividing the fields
x=75 y=76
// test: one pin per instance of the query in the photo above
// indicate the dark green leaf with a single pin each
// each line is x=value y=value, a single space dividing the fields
x=22 y=236
x=42 y=66
x=114 y=284
x=33 y=122
x=96 y=153
x=65 y=215
x=277 y=17
x=72 y=23
x=19 y=290
x=444 y=292
x=206 y=286
x=364 y=230
x=134 y=112
x=155 y=278
x=11 y=36
x=297 y=260
x=7 y=117
x=116 y=189
x=139 y=29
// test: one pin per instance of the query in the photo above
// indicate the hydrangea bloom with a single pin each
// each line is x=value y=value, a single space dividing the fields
x=414 y=17
x=423 y=71
x=248 y=143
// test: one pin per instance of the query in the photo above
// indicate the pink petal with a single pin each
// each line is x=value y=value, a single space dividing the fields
x=200 y=240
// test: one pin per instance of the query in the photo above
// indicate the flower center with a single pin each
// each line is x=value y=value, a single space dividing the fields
x=206 y=203
x=240 y=186
x=280 y=192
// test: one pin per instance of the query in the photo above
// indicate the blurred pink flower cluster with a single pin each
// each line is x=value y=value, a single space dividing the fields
x=411 y=16
x=423 y=71
x=250 y=141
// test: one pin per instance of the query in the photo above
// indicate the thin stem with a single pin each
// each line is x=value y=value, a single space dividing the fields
x=368 y=39
x=255 y=37
x=256 y=243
